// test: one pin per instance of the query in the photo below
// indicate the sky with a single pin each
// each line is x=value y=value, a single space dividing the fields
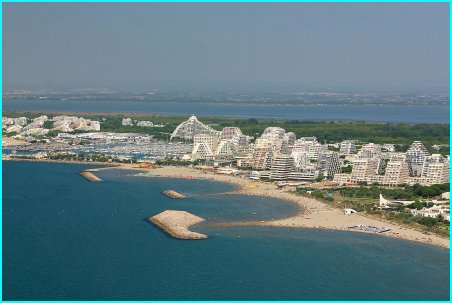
x=226 y=45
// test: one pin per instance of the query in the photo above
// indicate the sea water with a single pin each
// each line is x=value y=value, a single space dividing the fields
x=65 y=238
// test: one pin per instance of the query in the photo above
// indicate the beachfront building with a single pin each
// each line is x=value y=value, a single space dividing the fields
x=204 y=146
x=262 y=158
x=435 y=170
x=301 y=159
x=329 y=164
x=300 y=152
x=396 y=171
x=278 y=146
x=244 y=161
x=308 y=175
x=370 y=150
x=347 y=147
x=228 y=133
x=273 y=133
x=192 y=127
x=433 y=212
x=315 y=150
x=416 y=155
x=290 y=138
x=277 y=139
x=225 y=150
x=364 y=170
x=282 y=166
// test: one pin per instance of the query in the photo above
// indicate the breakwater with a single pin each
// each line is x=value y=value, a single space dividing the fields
x=174 y=194
x=90 y=176
x=176 y=224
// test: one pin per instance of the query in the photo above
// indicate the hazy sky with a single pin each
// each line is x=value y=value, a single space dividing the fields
x=149 y=45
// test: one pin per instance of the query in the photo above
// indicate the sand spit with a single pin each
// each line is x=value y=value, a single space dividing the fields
x=90 y=176
x=174 y=194
x=176 y=224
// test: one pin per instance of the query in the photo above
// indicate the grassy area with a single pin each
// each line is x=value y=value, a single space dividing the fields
x=403 y=134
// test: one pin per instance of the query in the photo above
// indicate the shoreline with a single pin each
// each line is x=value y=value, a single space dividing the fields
x=312 y=213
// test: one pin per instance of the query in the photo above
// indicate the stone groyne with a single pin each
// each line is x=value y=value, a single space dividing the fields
x=174 y=194
x=176 y=224
x=90 y=176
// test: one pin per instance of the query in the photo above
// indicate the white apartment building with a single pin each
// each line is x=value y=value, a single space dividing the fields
x=273 y=133
x=370 y=150
x=262 y=158
x=290 y=138
x=364 y=169
x=127 y=122
x=204 y=146
x=416 y=155
x=315 y=149
x=329 y=164
x=347 y=147
x=188 y=129
x=397 y=171
x=282 y=166
x=435 y=170
x=301 y=159
x=230 y=132
x=225 y=150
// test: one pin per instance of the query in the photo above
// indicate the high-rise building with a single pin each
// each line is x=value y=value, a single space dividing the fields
x=204 y=146
x=396 y=171
x=262 y=158
x=370 y=150
x=329 y=164
x=282 y=166
x=192 y=127
x=416 y=155
x=435 y=170
x=347 y=147
x=364 y=169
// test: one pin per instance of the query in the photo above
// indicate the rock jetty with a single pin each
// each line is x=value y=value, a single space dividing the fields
x=174 y=194
x=176 y=224
x=90 y=176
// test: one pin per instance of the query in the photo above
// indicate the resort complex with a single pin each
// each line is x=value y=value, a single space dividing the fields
x=273 y=155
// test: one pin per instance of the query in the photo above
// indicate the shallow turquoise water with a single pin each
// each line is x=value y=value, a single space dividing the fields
x=68 y=239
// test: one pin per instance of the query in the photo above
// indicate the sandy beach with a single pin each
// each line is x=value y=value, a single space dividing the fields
x=313 y=213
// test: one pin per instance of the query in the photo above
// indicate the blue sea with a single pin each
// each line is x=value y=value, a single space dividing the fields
x=65 y=238
x=370 y=113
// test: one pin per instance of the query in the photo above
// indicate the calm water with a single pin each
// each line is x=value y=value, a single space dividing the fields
x=375 y=113
x=68 y=239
